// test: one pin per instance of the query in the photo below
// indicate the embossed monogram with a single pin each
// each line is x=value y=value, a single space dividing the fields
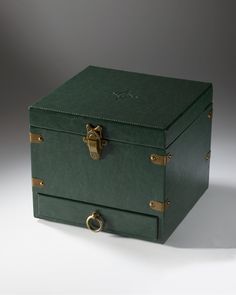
x=124 y=94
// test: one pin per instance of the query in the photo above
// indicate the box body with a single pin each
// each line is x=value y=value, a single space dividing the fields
x=153 y=156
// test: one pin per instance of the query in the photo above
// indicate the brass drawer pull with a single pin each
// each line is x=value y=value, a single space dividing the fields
x=95 y=222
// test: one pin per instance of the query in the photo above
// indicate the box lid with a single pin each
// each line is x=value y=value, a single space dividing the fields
x=131 y=107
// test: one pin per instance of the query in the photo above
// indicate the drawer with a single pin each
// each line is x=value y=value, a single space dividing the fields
x=96 y=217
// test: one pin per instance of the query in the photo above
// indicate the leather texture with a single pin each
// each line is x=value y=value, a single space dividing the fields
x=159 y=108
x=187 y=174
x=124 y=181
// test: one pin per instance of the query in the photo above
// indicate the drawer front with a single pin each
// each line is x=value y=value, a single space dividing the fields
x=114 y=221
x=124 y=178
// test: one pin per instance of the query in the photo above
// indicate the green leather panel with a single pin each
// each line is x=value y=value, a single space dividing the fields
x=152 y=101
x=124 y=178
x=122 y=101
x=186 y=119
x=187 y=174
x=111 y=130
x=115 y=221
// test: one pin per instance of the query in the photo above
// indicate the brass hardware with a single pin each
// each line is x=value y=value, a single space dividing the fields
x=160 y=159
x=94 y=141
x=37 y=182
x=208 y=155
x=36 y=138
x=159 y=206
x=209 y=115
x=95 y=217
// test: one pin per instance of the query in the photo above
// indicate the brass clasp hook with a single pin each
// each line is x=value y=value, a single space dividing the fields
x=94 y=141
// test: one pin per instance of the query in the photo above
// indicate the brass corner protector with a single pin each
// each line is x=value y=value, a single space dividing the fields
x=94 y=141
x=159 y=206
x=35 y=138
x=208 y=155
x=36 y=182
x=210 y=114
x=160 y=159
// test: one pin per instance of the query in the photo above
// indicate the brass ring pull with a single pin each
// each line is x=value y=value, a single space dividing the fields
x=92 y=220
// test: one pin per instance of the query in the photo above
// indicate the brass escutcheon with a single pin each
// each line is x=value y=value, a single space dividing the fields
x=95 y=216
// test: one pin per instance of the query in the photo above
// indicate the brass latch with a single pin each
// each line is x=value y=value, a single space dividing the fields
x=94 y=141
x=159 y=206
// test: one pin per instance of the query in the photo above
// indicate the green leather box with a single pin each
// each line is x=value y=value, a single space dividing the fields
x=121 y=152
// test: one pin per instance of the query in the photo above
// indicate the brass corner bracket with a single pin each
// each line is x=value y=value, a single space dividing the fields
x=159 y=206
x=35 y=138
x=210 y=114
x=36 y=182
x=94 y=141
x=161 y=160
x=208 y=155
